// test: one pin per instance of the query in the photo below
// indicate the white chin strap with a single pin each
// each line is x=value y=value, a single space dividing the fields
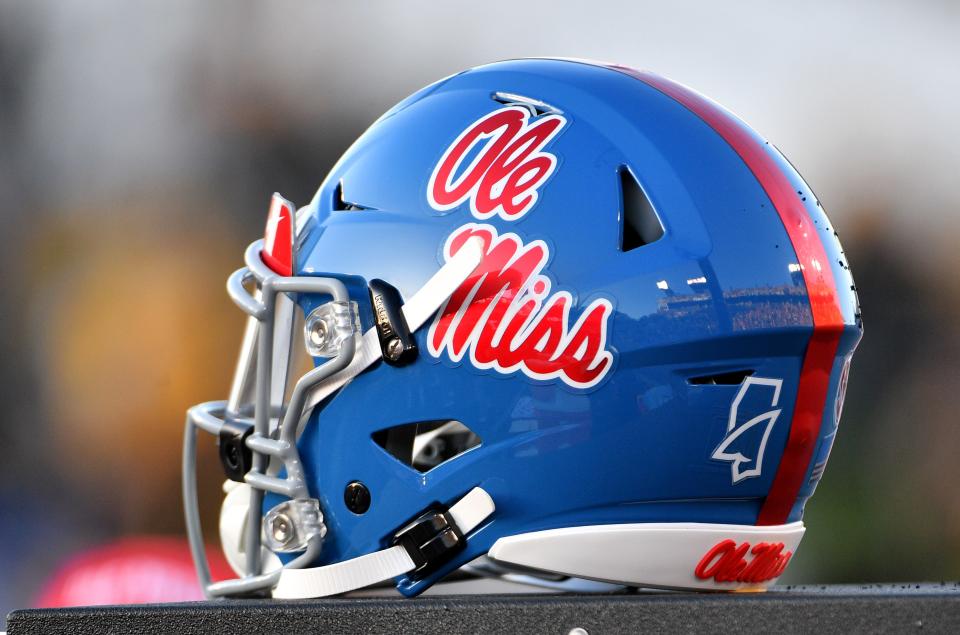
x=362 y=571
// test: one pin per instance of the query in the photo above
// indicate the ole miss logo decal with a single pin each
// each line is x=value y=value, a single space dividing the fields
x=497 y=164
x=727 y=561
x=505 y=318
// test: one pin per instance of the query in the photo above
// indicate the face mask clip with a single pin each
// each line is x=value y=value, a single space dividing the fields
x=396 y=341
x=235 y=457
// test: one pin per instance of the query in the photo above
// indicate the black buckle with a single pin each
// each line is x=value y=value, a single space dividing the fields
x=431 y=540
x=396 y=341
x=235 y=456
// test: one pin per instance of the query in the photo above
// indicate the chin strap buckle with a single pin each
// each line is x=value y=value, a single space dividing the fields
x=430 y=540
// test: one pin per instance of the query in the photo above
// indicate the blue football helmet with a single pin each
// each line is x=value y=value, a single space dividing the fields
x=562 y=322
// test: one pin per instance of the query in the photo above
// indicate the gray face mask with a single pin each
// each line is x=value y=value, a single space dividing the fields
x=258 y=426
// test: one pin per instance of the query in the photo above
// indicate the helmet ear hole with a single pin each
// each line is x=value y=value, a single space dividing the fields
x=426 y=444
x=639 y=223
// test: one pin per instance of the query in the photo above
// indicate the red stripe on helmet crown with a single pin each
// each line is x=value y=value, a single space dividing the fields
x=817 y=276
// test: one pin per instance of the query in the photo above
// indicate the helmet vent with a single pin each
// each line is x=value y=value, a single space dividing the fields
x=535 y=106
x=730 y=378
x=639 y=223
x=426 y=444
x=341 y=205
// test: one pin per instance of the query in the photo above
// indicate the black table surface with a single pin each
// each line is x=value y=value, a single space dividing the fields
x=896 y=608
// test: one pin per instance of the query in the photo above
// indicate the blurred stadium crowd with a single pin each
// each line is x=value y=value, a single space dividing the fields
x=140 y=143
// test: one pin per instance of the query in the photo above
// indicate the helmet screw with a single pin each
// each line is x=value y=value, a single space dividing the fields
x=232 y=455
x=318 y=333
x=282 y=528
x=395 y=349
x=357 y=497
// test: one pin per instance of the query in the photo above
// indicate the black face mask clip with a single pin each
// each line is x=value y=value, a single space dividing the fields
x=396 y=341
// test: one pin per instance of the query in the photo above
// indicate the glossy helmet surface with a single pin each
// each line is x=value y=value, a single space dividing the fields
x=642 y=377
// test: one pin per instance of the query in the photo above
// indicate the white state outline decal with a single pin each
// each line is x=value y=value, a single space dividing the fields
x=736 y=459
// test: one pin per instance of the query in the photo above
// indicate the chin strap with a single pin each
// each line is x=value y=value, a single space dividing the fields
x=419 y=547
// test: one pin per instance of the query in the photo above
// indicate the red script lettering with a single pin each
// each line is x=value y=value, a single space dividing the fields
x=726 y=562
x=508 y=165
x=506 y=318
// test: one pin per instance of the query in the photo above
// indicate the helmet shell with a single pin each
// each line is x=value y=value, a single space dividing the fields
x=723 y=291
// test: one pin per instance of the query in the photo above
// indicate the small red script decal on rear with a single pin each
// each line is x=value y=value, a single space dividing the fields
x=727 y=562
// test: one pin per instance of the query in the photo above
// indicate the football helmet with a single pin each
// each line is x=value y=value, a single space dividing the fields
x=560 y=322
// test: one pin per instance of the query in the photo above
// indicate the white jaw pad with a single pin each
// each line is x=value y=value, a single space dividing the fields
x=416 y=311
x=333 y=579
x=670 y=555
x=233 y=526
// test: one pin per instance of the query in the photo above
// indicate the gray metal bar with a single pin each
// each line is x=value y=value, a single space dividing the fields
x=285 y=487
x=288 y=430
x=279 y=449
x=241 y=297
x=208 y=416
x=191 y=506
x=261 y=426
x=261 y=306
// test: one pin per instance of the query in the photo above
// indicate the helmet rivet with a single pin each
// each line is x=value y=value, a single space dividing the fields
x=395 y=349
x=282 y=528
x=357 y=497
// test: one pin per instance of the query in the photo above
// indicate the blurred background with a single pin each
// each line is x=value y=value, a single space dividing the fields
x=140 y=143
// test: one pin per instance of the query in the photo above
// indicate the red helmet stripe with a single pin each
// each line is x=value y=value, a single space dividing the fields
x=817 y=276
